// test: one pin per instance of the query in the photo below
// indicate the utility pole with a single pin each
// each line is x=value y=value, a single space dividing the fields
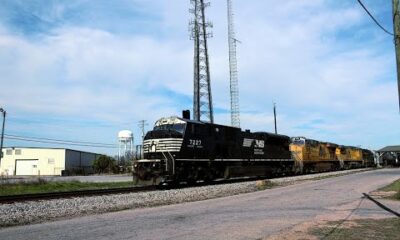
x=142 y=125
x=396 y=32
x=276 y=130
x=2 y=132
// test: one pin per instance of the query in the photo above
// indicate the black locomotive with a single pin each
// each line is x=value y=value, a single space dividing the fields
x=180 y=149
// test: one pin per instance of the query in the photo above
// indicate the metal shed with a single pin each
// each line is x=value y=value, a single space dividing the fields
x=389 y=155
x=25 y=161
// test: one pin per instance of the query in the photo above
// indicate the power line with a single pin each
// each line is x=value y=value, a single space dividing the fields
x=50 y=142
x=60 y=142
x=373 y=18
x=63 y=141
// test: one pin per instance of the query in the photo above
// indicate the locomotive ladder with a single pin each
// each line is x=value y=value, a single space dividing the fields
x=299 y=165
x=169 y=158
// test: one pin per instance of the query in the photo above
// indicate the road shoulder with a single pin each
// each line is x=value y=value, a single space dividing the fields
x=361 y=219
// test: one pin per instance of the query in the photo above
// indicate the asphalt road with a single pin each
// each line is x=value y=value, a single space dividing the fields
x=247 y=216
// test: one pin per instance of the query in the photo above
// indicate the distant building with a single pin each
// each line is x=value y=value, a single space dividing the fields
x=389 y=156
x=22 y=161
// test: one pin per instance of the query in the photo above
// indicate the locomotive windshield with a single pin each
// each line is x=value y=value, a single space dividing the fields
x=174 y=127
x=298 y=141
x=172 y=124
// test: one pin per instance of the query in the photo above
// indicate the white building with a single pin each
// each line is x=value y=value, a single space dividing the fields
x=45 y=161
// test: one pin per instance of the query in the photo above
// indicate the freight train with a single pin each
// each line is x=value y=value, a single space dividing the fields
x=315 y=156
x=182 y=150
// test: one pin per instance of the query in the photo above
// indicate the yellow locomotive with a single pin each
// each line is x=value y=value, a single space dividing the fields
x=315 y=156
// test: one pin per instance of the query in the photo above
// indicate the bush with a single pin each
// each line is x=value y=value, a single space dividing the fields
x=104 y=164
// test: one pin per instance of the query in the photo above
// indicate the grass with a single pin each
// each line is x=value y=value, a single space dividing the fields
x=42 y=186
x=394 y=186
x=387 y=228
x=265 y=184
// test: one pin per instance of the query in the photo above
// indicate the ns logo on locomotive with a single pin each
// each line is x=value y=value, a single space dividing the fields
x=182 y=150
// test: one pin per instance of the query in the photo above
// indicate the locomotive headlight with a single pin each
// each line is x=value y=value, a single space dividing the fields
x=156 y=165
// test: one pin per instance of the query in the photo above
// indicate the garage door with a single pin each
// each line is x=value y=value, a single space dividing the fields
x=26 y=167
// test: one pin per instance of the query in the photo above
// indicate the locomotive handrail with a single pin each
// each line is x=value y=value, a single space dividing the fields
x=298 y=161
x=173 y=162
x=167 y=159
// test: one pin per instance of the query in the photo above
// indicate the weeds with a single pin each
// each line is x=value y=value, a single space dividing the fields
x=395 y=186
x=387 y=228
x=264 y=184
x=44 y=186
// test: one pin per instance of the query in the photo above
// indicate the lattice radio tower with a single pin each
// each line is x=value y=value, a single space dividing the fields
x=202 y=99
x=234 y=86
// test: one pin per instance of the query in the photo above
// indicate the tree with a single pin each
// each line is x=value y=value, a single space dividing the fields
x=104 y=164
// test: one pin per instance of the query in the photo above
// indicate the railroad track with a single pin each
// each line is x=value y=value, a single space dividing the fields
x=70 y=194
x=98 y=192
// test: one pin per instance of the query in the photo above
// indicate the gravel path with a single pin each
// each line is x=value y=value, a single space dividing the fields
x=40 y=211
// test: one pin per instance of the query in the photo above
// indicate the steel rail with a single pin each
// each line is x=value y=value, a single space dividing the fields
x=106 y=191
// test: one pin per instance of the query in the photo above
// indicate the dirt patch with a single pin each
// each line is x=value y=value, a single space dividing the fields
x=299 y=232
x=361 y=219
x=370 y=228
x=383 y=194
x=387 y=228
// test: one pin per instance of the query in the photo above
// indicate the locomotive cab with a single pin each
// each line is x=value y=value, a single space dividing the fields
x=297 y=148
x=165 y=138
x=160 y=149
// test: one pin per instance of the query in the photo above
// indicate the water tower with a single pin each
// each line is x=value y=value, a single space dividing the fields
x=125 y=145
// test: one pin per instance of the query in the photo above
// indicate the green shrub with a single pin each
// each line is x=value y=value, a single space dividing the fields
x=104 y=164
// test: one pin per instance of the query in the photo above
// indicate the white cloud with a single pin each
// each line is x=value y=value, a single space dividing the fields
x=308 y=56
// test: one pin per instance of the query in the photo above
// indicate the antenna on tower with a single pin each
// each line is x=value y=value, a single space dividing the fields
x=202 y=99
x=234 y=86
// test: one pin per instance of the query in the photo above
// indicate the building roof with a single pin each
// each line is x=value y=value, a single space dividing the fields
x=390 y=149
x=51 y=148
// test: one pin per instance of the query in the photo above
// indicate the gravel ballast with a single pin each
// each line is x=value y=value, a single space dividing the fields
x=45 y=210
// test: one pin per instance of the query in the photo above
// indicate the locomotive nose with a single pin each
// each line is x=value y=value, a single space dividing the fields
x=157 y=142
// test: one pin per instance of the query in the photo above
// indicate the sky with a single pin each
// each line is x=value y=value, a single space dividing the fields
x=83 y=70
